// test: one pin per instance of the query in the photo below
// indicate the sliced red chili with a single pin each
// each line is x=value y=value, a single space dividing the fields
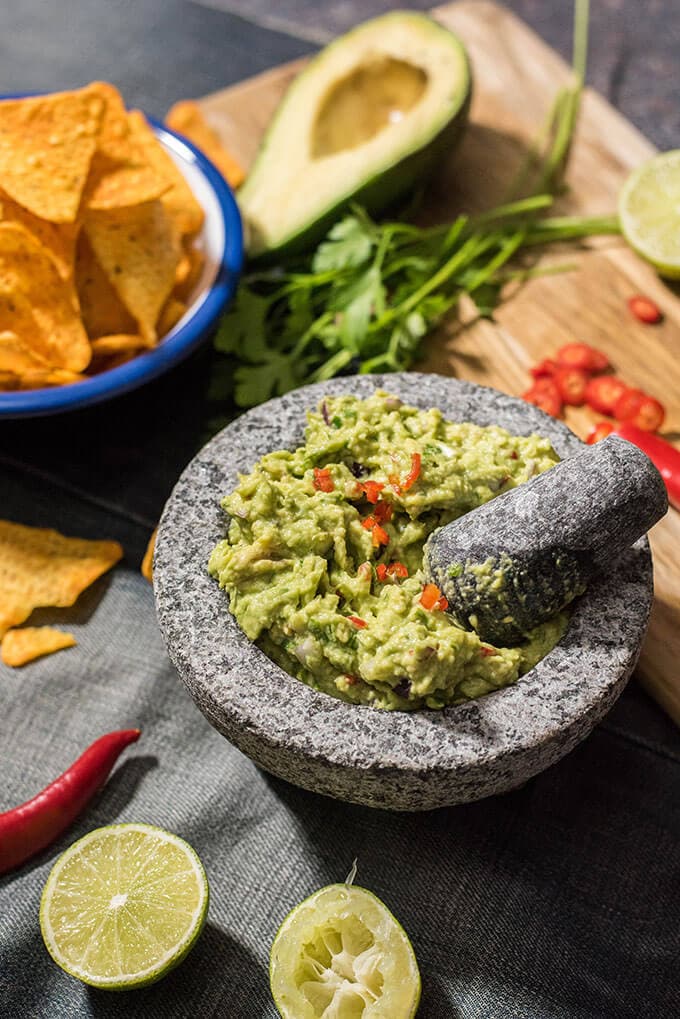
x=600 y=431
x=544 y=368
x=627 y=404
x=430 y=596
x=369 y=523
x=443 y=604
x=649 y=415
x=413 y=475
x=381 y=572
x=380 y=536
x=644 y=309
x=360 y=623
x=582 y=356
x=571 y=384
x=486 y=652
x=603 y=392
x=546 y=395
x=323 y=481
x=383 y=511
x=372 y=490
x=397 y=570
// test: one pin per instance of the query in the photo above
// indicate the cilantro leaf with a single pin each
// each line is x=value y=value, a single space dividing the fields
x=348 y=244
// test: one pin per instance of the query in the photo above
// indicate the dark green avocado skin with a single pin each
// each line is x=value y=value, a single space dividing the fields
x=383 y=190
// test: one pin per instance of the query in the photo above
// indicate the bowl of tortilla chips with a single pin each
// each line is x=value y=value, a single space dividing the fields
x=120 y=246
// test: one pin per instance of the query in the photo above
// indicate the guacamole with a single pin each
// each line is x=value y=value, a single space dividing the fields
x=322 y=562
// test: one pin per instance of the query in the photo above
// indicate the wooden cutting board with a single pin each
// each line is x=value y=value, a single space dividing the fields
x=516 y=76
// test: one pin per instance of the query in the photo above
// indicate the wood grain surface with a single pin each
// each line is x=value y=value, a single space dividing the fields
x=515 y=78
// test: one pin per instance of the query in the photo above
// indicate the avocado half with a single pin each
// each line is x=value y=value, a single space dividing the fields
x=365 y=121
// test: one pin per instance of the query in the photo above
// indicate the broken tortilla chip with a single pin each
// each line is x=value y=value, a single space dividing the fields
x=121 y=173
x=29 y=277
x=22 y=646
x=138 y=250
x=179 y=201
x=119 y=343
x=102 y=311
x=147 y=561
x=187 y=118
x=46 y=147
x=15 y=357
x=40 y=567
x=58 y=239
x=172 y=312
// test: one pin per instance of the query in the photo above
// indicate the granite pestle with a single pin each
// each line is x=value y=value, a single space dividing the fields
x=514 y=562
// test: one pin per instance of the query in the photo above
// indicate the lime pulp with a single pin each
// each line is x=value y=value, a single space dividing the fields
x=649 y=212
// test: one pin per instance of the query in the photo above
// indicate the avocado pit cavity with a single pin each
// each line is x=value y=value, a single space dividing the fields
x=376 y=94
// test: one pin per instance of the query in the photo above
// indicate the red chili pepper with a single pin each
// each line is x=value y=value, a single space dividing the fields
x=600 y=431
x=397 y=570
x=33 y=825
x=414 y=473
x=410 y=479
x=644 y=309
x=627 y=404
x=582 y=356
x=381 y=572
x=430 y=597
x=649 y=414
x=443 y=604
x=666 y=458
x=486 y=652
x=603 y=392
x=323 y=481
x=383 y=511
x=369 y=523
x=380 y=536
x=360 y=623
x=545 y=394
x=571 y=384
x=544 y=369
x=372 y=490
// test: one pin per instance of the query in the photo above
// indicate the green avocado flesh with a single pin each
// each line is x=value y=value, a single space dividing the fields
x=309 y=579
x=365 y=121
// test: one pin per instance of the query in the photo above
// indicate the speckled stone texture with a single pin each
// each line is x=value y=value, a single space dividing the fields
x=402 y=761
x=546 y=539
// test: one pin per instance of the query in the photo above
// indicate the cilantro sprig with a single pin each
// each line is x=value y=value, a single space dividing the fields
x=371 y=292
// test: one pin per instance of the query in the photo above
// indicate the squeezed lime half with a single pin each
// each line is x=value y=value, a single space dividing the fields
x=649 y=212
x=342 y=954
x=124 y=905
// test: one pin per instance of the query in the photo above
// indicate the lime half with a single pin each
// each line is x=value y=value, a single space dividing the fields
x=123 y=905
x=649 y=212
x=341 y=954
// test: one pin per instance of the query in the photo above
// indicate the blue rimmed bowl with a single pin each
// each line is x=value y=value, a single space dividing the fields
x=220 y=241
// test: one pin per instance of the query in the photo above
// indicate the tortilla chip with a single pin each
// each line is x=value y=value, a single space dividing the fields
x=179 y=200
x=184 y=288
x=105 y=364
x=121 y=174
x=138 y=250
x=15 y=357
x=170 y=315
x=31 y=288
x=186 y=118
x=22 y=646
x=102 y=311
x=8 y=381
x=40 y=567
x=46 y=378
x=59 y=239
x=46 y=147
x=147 y=561
x=120 y=343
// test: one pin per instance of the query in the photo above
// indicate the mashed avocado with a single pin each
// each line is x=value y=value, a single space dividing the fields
x=322 y=562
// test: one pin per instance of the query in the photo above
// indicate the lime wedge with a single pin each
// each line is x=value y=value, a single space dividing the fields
x=649 y=212
x=342 y=954
x=123 y=905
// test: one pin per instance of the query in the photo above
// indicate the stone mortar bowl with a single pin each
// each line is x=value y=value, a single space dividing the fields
x=389 y=759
